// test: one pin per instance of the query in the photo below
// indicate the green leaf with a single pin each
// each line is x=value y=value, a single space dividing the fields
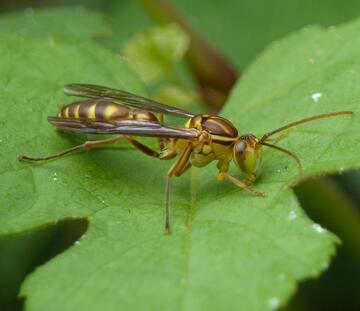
x=228 y=250
x=65 y=22
x=153 y=52
x=42 y=68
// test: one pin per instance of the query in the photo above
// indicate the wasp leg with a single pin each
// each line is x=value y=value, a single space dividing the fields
x=162 y=155
x=176 y=169
x=143 y=148
x=183 y=169
x=161 y=140
x=160 y=117
x=239 y=183
x=85 y=146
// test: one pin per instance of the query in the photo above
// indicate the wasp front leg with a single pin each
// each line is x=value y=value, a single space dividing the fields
x=246 y=185
x=179 y=167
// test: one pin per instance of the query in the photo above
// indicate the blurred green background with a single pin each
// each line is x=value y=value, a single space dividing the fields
x=239 y=30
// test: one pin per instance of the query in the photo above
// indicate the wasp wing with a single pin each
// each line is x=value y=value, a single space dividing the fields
x=124 y=127
x=122 y=97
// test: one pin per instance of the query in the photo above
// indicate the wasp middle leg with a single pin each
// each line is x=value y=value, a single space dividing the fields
x=241 y=184
x=177 y=169
x=163 y=154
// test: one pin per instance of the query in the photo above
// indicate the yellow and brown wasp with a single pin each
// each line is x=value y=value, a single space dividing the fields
x=203 y=139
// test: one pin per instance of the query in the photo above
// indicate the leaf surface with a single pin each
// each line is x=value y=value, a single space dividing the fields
x=228 y=249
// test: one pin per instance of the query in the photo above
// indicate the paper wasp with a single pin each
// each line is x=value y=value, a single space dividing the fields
x=203 y=139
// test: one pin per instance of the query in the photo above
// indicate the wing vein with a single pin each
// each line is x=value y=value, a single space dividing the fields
x=122 y=97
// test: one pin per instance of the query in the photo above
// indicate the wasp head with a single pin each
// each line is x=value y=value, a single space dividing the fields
x=247 y=153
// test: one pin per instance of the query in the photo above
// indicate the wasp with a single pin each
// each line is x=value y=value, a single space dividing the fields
x=203 y=139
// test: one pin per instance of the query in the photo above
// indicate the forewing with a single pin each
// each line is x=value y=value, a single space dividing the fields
x=124 y=127
x=122 y=97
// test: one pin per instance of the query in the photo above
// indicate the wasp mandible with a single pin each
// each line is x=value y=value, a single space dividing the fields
x=203 y=139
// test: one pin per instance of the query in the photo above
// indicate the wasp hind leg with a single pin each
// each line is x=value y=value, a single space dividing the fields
x=88 y=145
x=164 y=154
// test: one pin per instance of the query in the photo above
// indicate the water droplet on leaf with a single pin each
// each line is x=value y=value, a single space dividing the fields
x=315 y=97
x=273 y=303
x=325 y=265
x=318 y=228
x=292 y=215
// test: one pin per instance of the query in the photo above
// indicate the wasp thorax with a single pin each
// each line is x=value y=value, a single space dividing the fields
x=247 y=155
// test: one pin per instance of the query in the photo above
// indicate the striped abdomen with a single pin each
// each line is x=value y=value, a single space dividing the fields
x=103 y=110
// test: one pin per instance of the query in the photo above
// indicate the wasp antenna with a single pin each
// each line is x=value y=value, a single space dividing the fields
x=313 y=118
x=293 y=155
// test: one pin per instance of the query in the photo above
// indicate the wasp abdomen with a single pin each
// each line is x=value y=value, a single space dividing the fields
x=103 y=110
